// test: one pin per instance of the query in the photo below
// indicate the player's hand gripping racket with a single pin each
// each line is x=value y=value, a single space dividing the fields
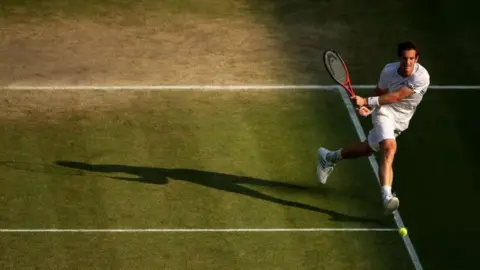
x=337 y=69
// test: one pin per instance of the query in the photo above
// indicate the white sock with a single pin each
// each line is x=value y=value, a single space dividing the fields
x=334 y=156
x=386 y=191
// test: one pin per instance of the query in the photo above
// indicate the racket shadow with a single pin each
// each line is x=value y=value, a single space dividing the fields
x=41 y=168
x=220 y=181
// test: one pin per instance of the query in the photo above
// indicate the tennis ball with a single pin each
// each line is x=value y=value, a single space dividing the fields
x=402 y=231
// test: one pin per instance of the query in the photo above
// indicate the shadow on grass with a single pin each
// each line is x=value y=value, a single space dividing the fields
x=220 y=181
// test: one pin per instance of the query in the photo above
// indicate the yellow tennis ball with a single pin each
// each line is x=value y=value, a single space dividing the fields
x=402 y=231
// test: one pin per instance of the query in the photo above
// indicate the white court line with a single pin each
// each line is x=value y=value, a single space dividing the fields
x=213 y=87
x=374 y=164
x=200 y=230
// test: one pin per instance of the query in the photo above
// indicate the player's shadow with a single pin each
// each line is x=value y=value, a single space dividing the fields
x=220 y=181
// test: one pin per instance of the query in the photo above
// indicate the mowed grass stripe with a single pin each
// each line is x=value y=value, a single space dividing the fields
x=249 y=137
x=255 y=251
x=78 y=201
x=141 y=142
x=199 y=144
x=23 y=202
x=281 y=126
x=27 y=200
x=290 y=119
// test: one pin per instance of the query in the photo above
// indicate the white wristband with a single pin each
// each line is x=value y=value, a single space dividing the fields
x=373 y=102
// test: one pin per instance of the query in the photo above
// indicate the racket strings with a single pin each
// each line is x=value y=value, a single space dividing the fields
x=336 y=68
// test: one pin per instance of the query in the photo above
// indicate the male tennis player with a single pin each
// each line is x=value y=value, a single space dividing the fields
x=399 y=91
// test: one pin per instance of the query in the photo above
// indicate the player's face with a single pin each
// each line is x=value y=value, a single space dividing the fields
x=408 y=59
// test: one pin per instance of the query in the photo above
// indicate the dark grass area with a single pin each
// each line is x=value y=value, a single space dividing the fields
x=436 y=172
x=435 y=176
x=435 y=165
x=446 y=31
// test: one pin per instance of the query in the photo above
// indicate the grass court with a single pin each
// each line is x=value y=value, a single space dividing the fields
x=191 y=159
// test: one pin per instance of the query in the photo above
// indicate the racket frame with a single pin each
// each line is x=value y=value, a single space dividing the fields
x=347 y=85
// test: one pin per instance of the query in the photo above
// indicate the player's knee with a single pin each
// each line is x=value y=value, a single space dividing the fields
x=389 y=148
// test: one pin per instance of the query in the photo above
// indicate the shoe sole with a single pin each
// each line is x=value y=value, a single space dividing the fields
x=320 y=166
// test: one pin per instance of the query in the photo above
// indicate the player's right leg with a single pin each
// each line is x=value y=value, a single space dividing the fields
x=326 y=159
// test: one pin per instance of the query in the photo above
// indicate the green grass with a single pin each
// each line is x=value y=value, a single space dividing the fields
x=205 y=251
x=276 y=145
x=190 y=160
x=132 y=12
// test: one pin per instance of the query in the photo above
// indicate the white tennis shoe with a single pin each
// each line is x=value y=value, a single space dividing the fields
x=324 y=168
x=391 y=204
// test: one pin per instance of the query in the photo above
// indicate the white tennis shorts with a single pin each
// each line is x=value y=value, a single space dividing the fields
x=383 y=128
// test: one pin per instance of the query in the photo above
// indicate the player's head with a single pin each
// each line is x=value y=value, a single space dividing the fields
x=408 y=53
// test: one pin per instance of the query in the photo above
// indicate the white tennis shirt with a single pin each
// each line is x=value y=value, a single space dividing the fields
x=401 y=112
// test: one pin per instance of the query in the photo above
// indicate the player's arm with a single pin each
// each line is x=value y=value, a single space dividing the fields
x=392 y=97
x=366 y=111
x=417 y=84
x=379 y=92
x=387 y=98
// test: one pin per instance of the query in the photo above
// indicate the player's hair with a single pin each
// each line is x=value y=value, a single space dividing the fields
x=407 y=45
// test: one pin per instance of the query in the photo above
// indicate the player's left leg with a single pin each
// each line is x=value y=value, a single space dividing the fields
x=382 y=139
x=388 y=148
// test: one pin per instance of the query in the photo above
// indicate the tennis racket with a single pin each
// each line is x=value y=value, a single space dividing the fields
x=337 y=69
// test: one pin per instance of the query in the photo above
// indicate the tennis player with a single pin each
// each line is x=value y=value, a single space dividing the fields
x=399 y=91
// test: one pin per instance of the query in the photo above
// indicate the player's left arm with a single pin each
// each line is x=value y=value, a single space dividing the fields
x=394 y=97
x=417 y=85
x=387 y=98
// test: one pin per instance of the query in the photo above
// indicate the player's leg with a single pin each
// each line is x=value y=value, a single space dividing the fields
x=356 y=150
x=327 y=159
x=382 y=139
x=387 y=151
x=388 y=148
